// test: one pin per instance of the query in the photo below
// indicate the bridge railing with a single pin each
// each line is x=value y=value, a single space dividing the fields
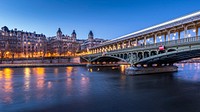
x=172 y=42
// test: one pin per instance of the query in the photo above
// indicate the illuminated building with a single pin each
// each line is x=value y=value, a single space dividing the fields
x=22 y=44
x=62 y=45
x=91 y=41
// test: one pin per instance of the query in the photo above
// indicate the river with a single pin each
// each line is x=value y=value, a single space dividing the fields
x=79 y=89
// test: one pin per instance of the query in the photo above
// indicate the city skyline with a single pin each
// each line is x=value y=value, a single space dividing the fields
x=102 y=17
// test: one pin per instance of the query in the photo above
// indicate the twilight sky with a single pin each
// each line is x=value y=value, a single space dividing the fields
x=106 y=18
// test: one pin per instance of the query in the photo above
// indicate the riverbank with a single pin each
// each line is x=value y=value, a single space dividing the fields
x=40 y=65
x=60 y=65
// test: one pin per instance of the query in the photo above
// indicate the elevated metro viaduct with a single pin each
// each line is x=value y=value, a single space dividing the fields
x=179 y=37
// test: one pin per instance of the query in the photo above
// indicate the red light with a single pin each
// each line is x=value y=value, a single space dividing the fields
x=161 y=48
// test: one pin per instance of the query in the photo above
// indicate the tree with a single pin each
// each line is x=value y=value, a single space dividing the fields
x=44 y=49
x=50 y=49
x=4 y=47
x=60 y=49
x=12 y=46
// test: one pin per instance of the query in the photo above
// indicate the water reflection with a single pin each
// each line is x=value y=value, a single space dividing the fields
x=91 y=70
x=8 y=80
x=69 y=81
x=40 y=77
x=123 y=77
x=84 y=83
x=69 y=86
x=123 y=67
x=40 y=71
x=49 y=85
x=36 y=86
x=189 y=71
x=69 y=71
x=1 y=74
x=27 y=76
x=56 y=71
x=6 y=83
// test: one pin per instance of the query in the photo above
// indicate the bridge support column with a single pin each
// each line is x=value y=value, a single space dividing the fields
x=122 y=45
x=165 y=37
x=113 y=47
x=136 y=42
x=159 y=64
x=145 y=39
x=129 y=43
x=118 y=46
x=185 y=32
x=149 y=65
x=197 y=31
x=168 y=36
x=155 y=36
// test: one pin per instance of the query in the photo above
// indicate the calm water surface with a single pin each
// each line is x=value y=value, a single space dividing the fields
x=78 y=89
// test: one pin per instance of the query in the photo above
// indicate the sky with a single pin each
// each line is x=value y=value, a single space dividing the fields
x=107 y=19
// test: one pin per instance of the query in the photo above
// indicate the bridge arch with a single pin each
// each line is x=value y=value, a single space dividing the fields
x=172 y=57
x=160 y=52
x=140 y=55
x=117 y=55
x=125 y=56
x=171 y=50
x=122 y=56
x=146 y=54
x=129 y=55
x=153 y=53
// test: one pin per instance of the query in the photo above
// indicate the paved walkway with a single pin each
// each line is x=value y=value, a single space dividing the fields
x=40 y=65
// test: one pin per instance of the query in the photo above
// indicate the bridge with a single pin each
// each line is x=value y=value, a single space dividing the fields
x=160 y=45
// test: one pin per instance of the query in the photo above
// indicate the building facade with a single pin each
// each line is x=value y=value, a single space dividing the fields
x=91 y=41
x=22 y=44
x=62 y=45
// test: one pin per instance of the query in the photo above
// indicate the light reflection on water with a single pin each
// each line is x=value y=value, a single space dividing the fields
x=56 y=71
x=189 y=71
x=84 y=83
x=8 y=88
x=6 y=85
x=40 y=77
x=123 y=67
x=21 y=88
x=69 y=71
x=27 y=76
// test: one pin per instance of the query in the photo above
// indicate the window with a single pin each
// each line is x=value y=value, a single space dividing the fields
x=191 y=33
x=174 y=36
